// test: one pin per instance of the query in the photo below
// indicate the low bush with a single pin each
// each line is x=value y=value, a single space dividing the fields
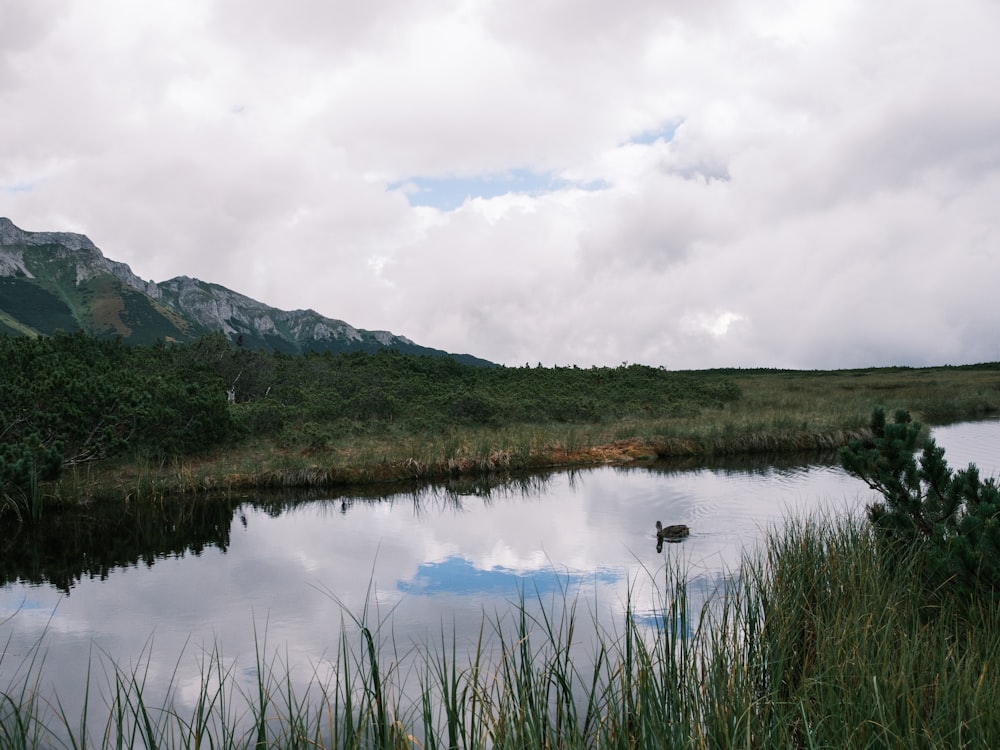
x=951 y=518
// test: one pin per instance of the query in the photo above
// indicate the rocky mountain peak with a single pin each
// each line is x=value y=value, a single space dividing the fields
x=10 y=234
x=50 y=291
x=78 y=249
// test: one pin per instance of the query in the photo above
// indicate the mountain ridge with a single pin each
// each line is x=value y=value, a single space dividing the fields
x=53 y=281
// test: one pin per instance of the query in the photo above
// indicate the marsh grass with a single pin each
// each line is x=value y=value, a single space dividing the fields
x=817 y=641
x=869 y=656
x=777 y=412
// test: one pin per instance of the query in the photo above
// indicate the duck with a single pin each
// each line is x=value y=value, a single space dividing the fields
x=671 y=533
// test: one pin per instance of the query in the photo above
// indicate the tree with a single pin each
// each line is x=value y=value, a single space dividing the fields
x=953 y=517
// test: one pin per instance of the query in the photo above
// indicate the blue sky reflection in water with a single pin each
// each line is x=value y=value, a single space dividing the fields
x=457 y=575
x=421 y=563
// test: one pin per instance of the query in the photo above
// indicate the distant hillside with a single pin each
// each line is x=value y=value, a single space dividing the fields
x=51 y=281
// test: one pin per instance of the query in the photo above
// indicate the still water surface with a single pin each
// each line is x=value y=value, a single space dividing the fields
x=250 y=571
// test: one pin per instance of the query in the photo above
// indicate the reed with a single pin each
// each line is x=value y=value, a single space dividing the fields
x=863 y=656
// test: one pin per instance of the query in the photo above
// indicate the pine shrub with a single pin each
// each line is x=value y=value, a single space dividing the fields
x=952 y=517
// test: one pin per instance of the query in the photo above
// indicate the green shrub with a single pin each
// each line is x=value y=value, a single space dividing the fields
x=74 y=399
x=953 y=517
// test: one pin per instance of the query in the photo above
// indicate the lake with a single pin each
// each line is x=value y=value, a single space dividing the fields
x=154 y=590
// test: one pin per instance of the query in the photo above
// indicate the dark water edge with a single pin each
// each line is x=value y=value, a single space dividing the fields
x=91 y=540
x=70 y=543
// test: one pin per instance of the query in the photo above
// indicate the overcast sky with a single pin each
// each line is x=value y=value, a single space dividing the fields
x=781 y=183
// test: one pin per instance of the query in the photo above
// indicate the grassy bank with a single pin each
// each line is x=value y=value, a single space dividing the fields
x=818 y=642
x=773 y=411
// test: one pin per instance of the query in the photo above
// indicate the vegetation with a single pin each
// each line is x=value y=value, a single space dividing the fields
x=953 y=519
x=34 y=306
x=72 y=400
x=111 y=420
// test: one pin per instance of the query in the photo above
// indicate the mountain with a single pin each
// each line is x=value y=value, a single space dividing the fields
x=51 y=281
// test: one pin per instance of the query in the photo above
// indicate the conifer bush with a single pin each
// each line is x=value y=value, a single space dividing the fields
x=954 y=517
x=73 y=399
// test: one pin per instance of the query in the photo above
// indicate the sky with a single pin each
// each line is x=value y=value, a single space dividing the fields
x=783 y=183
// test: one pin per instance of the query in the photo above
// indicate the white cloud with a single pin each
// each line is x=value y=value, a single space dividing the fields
x=823 y=196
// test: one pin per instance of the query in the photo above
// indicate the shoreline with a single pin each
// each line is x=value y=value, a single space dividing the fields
x=336 y=469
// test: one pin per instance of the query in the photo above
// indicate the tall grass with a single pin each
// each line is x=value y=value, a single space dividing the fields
x=864 y=654
x=816 y=641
